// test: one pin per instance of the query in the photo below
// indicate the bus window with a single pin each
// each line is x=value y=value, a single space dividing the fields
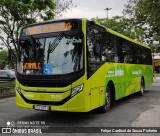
x=94 y=37
x=108 y=50
x=126 y=52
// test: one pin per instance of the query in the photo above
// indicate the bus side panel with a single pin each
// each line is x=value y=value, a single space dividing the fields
x=97 y=85
x=125 y=77
x=115 y=74
x=95 y=97
x=148 y=76
x=133 y=76
x=81 y=101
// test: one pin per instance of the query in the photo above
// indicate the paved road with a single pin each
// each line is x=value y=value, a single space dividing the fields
x=133 y=111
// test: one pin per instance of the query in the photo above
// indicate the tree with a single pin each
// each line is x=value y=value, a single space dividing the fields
x=119 y=24
x=155 y=48
x=15 y=14
x=62 y=6
x=145 y=14
x=4 y=60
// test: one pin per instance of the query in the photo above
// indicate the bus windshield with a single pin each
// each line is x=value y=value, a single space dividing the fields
x=57 y=54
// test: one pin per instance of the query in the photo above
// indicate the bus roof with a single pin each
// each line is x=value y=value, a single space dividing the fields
x=127 y=38
x=50 y=21
x=107 y=29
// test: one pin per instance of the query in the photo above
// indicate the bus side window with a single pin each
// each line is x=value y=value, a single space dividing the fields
x=108 y=51
x=94 y=48
x=97 y=49
x=126 y=52
x=120 y=50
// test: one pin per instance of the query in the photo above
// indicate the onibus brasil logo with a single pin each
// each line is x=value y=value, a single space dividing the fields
x=8 y=129
x=11 y=128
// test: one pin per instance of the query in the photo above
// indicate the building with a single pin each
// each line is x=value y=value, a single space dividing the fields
x=157 y=62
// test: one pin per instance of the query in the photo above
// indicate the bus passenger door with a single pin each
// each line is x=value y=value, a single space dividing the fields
x=94 y=63
x=94 y=75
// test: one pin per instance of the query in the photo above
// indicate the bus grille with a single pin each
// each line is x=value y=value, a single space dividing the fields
x=45 y=84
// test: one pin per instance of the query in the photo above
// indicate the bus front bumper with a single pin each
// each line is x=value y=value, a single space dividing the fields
x=74 y=104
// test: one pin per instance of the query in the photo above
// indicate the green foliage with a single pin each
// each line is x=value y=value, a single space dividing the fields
x=155 y=48
x=145 y=14
x=27 y=9
x=3 y=59
x=149 y=12
x=119 y=24
x=14 y=14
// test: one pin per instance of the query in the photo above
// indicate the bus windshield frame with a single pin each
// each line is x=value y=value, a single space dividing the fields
x=51 y=53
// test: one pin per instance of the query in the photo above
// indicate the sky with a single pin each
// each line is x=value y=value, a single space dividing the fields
x=95 y=8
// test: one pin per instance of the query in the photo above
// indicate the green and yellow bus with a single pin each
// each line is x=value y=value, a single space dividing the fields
x=77 y=65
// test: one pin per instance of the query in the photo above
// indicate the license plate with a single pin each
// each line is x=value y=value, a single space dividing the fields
x=41 y=107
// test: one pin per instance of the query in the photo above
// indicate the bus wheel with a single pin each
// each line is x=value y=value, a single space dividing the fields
x=141 y=92
x=107 y=103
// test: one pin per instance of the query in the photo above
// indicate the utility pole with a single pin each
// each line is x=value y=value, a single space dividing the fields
x=107 y=9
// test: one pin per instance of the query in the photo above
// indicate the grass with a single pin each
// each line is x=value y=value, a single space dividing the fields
x=7 y=88
x=7 y=84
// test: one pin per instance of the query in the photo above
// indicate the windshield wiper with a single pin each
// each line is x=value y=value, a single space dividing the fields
x=54 y=44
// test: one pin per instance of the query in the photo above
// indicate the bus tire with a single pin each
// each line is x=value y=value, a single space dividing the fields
x=108 y=98
x=141 y=92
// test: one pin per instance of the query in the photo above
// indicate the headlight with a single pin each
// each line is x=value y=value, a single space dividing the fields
x=18 y=89
x=76 y=90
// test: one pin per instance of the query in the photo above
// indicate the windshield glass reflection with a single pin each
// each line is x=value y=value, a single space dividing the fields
x=60 y=54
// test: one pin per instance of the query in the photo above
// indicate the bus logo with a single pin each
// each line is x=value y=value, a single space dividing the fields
x=6 y=130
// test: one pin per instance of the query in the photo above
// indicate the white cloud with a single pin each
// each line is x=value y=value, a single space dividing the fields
x=95 y=8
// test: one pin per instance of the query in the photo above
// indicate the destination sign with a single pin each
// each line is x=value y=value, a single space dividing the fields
x=51 y=27
x=31 y=66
